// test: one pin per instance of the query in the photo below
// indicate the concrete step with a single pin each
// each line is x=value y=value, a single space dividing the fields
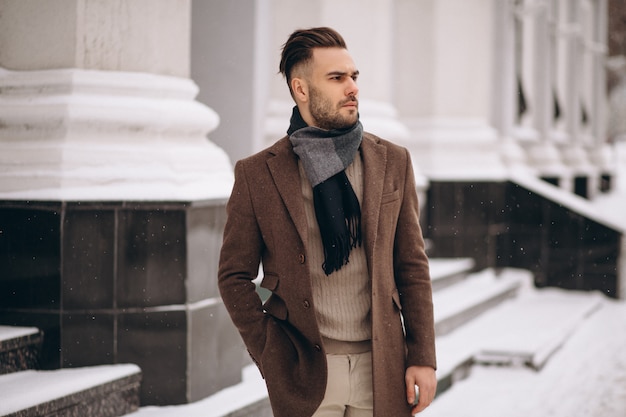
x=524 y=331
x=445 y=272
x=586 y=376
x=467 y=299
x=246 y=399
x=512 y=324
x=249 y=398
x=96 y=391
x=20 y=348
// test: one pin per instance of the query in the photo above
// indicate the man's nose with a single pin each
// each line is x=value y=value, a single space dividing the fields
x=352 y=89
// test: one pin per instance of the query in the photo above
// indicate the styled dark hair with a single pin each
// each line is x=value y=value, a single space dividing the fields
x=299 y=47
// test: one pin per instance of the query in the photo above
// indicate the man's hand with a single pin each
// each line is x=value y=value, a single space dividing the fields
x=424 y=377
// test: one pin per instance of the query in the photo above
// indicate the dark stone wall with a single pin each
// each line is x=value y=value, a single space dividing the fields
x=563 y=248
x=466 y=220
x=501 y=224
x=123 y=283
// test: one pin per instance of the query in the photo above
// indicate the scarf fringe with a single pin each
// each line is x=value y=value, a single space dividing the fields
x=337 y=248
x=339 y=218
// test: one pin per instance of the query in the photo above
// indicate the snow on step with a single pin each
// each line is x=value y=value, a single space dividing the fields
x=526 y=330
x=249 y=394
x=27 y=389
x=469 y=298
x=585 y=377
x=14 y=332
x=19 y=348
x=536 y=326
x=447 y=271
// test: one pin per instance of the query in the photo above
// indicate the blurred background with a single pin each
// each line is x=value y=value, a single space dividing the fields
x=120 y=121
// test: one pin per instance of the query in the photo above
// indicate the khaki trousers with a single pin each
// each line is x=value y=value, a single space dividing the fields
x=349 y=388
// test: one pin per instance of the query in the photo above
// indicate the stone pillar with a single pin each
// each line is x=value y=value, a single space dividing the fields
x=232 y=63
x=570 y=24
x=445 y=98
x=98 y=104
x=599 y=150
x=504 y=94
x=111 y=196
x=536 y=53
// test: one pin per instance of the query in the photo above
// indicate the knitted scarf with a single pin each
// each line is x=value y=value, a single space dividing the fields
x=325 y=154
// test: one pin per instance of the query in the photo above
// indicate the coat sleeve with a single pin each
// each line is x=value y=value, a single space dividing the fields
x=412 y=278
x=239 y=262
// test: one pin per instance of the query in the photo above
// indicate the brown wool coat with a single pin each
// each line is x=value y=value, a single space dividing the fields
x=267 y=223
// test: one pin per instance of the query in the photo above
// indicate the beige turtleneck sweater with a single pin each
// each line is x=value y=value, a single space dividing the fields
x=343 y=299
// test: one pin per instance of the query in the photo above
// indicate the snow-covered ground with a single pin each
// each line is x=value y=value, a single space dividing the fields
x=585 y=376
x=25 y=390
x=249 y=391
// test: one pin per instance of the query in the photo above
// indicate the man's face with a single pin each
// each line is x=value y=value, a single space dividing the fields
x=333 y=92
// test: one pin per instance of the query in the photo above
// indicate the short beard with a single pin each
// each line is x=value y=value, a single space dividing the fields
x=325 y=115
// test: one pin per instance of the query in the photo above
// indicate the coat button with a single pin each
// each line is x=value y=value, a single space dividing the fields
x=301 y=258
x=318 y=348
x=306 y=304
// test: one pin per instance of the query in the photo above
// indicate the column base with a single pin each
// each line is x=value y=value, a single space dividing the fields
x=83 y=135
x=456 y=149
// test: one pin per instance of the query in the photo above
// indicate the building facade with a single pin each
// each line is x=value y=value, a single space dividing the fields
x=112 y=197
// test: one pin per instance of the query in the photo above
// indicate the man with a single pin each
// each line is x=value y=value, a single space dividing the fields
x=332 y=215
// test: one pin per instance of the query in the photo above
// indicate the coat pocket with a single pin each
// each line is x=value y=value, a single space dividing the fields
x=270 y=282
x=274 y=306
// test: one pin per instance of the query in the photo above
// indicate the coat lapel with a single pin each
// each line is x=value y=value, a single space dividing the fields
x=374 y=166
x=283 y=166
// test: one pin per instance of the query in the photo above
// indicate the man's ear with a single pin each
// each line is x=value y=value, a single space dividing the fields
x=300 y=90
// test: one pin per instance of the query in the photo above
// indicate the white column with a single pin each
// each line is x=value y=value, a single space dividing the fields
x=96 y=104
x=230 y=52
x=445 y=49
x=537 y=51
x=504 y=92
x=576 y=81
x=599 y=151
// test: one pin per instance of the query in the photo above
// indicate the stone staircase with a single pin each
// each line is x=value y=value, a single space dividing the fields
x=524 y=330
x=19 y=348
x=481 y=317
x=97 y=391
x=461 y=296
